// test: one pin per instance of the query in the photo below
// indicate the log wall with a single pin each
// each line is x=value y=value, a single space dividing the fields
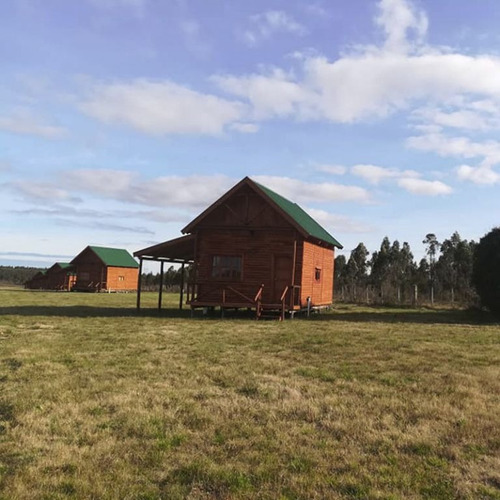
x=320 y=290
x=122 y=278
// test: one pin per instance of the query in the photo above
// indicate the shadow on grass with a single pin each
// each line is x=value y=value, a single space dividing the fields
x=93 y=312
x=381 y=314
x=349 y=314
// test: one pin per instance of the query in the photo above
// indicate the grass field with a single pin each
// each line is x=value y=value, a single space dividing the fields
x=98 y=402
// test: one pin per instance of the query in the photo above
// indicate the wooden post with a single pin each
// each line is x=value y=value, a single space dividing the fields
x=160 y=294
x=181 y=299
x=139 y=284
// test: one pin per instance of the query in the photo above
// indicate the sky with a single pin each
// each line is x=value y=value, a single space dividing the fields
x=121 y=120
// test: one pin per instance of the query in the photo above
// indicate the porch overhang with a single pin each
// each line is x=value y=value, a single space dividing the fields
x=179 y=250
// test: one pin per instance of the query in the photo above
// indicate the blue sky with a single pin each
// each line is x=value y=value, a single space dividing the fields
x=120 y=120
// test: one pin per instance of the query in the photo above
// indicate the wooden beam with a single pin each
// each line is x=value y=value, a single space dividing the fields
x=160 y=294
x=181 y=299
x=139 y=285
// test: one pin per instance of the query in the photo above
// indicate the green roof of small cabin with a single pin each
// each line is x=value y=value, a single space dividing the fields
x=302 y=218
x=63 y=265
x=114 y=257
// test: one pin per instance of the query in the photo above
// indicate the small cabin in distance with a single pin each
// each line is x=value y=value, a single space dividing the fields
x=38 y=281
x=60 y=276
x=253 y=248
x=100 y=269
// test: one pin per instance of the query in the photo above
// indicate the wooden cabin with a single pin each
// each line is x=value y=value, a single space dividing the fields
x=38 y=281
x=253 y=248
x=61 y=276
x=100 y=269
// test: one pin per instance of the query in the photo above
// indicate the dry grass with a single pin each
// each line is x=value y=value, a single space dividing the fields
x=98 y=402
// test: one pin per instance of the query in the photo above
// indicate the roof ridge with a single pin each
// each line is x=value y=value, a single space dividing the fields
x=299 y=216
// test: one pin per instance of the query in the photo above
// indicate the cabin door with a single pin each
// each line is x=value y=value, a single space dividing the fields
x=282 y=275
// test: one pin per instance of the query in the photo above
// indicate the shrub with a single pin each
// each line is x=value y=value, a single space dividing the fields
x=486 y=273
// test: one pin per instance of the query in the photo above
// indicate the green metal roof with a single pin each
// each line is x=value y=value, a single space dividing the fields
x=63 y=265
x=115 y=257
x=302 y=218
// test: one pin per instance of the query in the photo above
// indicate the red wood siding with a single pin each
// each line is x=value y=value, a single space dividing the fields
x=258 y=250
x=317 y=257
x=245 y=209
x=89 y=270
x=129 y=281
x=58 y=279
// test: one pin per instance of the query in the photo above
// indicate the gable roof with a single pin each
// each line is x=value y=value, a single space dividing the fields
x=292 y=212
x=300 y=216
x=61 y=265
x=114 y=257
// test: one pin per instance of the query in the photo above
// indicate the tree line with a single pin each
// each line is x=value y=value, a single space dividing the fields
x=17 y=275
x=172 y=279
x=391 y=275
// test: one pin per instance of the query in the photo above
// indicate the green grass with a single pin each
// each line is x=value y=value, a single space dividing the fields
x=97 y=401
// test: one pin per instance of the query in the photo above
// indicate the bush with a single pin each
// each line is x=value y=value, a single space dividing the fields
x=486 y=273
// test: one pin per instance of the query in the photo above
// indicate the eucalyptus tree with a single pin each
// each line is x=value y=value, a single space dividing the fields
x=340 y=274
x=454 y=267
x=357 y=269
x=380 y=266
x=433 y=246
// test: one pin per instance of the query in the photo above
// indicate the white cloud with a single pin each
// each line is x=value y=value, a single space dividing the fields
x=168 y=191
x=371 y=82
x=467 y=117
x=336 y=224
x=367 y=83
x=364 y=84
x=161 y=108
x=306 y=192
x=23 y=121
x=401 y=22
x=105 y=182
x=41 y=191
x=481 y=174
x=267 y=24
x=192 y=192
x=407 y=179
x=245 y=128
x=374 y=174
x=331 y=169
x=273 y=95
x=460 y=147
x=423 y=187
x=186 y=193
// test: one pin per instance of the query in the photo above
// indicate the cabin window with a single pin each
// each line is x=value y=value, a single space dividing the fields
x=84 y=276
x=121 y=278
x=317 y=273
x=226 y=267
